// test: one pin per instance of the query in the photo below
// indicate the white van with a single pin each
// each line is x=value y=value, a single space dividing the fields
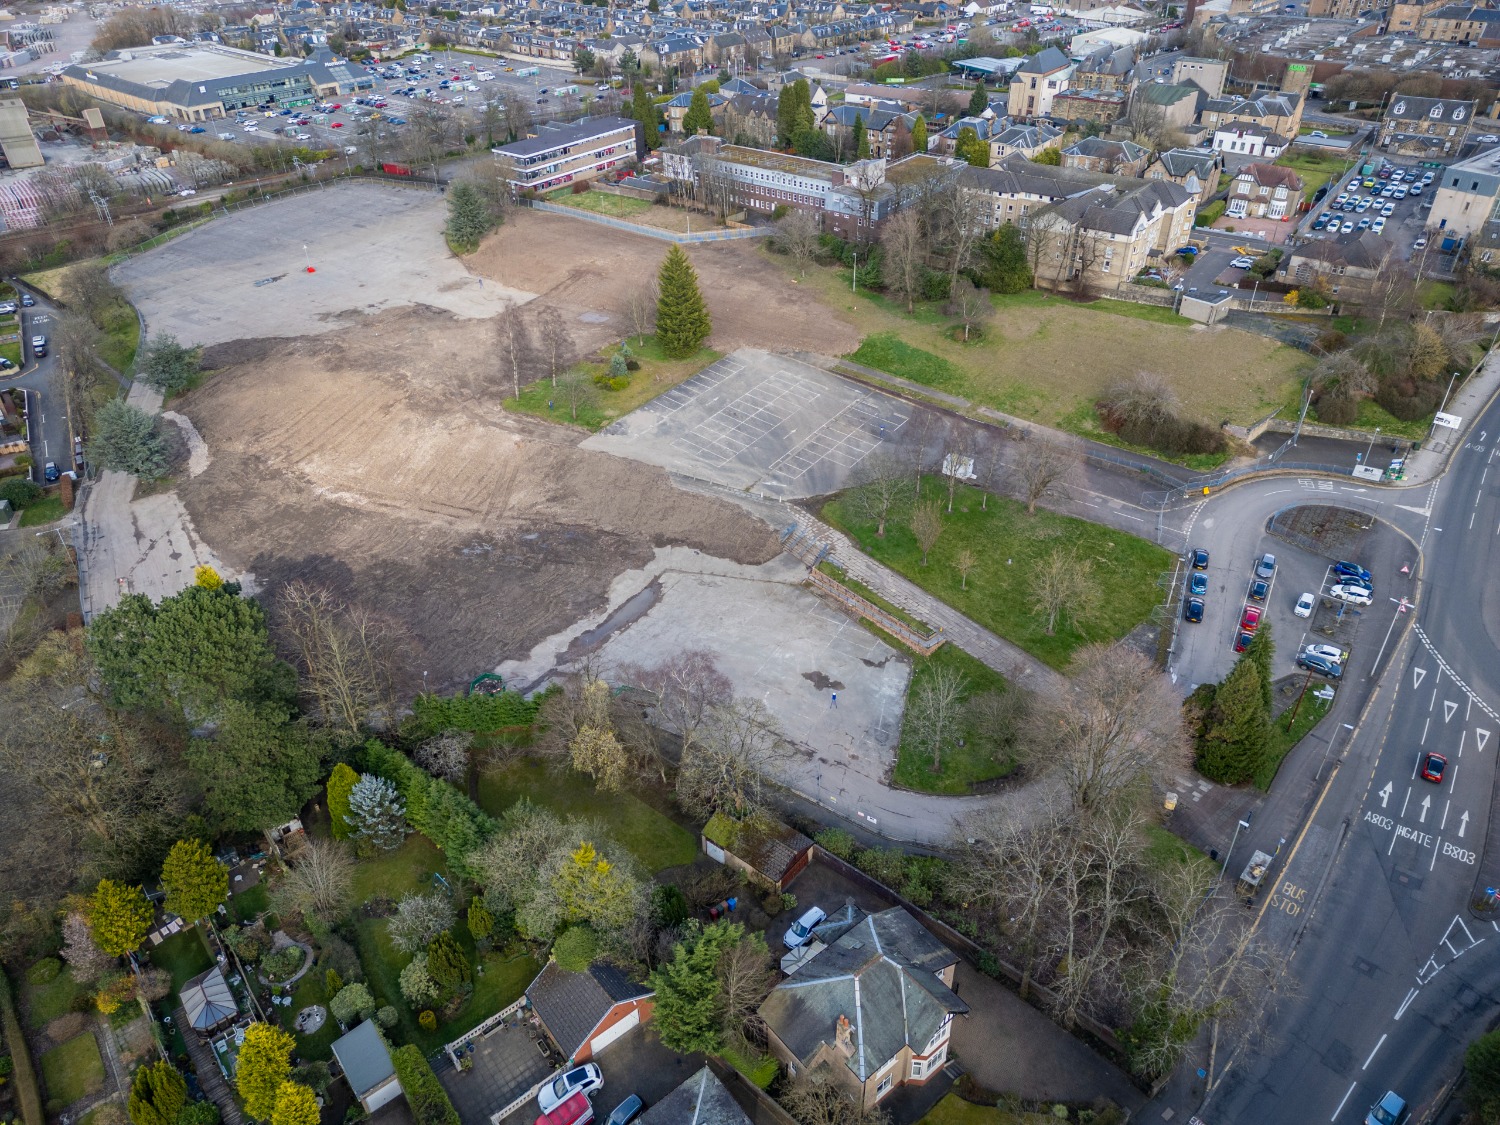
x=484 y=76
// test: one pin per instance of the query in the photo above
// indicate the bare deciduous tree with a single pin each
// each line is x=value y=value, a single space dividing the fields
x=1042 y=469
x=681 y=692
x=640 y=308
x=934 y=717
x=419 y=919
x=554 y=338
x=963 y=213
x=577 y=390
x=965 y=562
x=746 y=975
x=1119 y=723
x=927 y=526
x=797 y=234
x=514 y=342
x=725 y=768
x=816 y=1099
x=346 y=652
x=969 y=304
x=880 y=493
x=321 y=882
x=86 y=959
x=446 y=755
x=905 y=254
x=1062 y=588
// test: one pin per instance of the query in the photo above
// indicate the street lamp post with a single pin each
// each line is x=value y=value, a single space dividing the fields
x=1244 y=824
x=1371 y=447
x=1444 y=405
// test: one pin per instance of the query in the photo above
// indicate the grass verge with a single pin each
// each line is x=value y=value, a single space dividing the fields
x=45 y=510
x=962 y=767
x=1009 y=546
x=1282 y=740
x=601 y=203
x=73 y=1070
x=599 y=407
x=760 y=1069
x=953 y=1110
x=656 y=841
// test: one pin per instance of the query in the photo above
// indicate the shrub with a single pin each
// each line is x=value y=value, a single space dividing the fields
x=282 y=963
x=576 y=948
x=352 y=1003
x=44 y=970
x=1209 y=214
x=669 y=906
x=21 y=492
x=426 y=1096
x=428 y=1020
x=988 y=964
x=836 y=841
x=474 y=713
x=434 y=808
x=888 y=865
x=387 y=1017
x=934 y=285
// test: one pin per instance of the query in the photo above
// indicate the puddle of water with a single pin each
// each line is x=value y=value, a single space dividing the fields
x=632 y=609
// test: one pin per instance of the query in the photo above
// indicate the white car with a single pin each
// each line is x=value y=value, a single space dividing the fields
x=1242 y=263
x=1378 y=225
x=1354 y=595
x=188 y=191
x=1304 y=606
x=560 y=1087
x=1420 y=244
x=800 y=931
x=1327 y=652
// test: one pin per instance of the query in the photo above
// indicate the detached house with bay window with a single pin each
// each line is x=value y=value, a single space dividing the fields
x=875 y=1009
x=1263 y=191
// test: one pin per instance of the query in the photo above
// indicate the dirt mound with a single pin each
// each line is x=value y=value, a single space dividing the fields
x=586 y=269
x=378 y=460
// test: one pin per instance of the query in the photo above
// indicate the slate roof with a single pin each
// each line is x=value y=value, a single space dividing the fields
x=882 y=976
x=1181 y=161
x=1269 y=175
x=572 y=1004
x=1361 y=250
x=1118 y=209
x=1165 y=93
x=1103 y=147
x=1045 y=62
x=701 y=1100
x=1450 y=110
x=1252 y=109
x=365 y=1058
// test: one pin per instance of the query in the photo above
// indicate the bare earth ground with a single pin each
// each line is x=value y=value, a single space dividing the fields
x=378 y=460
x=588 y=269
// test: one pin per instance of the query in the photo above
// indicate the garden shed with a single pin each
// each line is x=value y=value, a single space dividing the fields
x=366 y=1062
x=772 y=853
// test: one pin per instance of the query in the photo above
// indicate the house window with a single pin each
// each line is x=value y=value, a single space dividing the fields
x=918 y=1067
x=884 y=1087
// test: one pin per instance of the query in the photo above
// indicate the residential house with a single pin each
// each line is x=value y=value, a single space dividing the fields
x=1245 y=138
x=874 y=1010
x=1428 y=127
x=1038 y=81
x=701 y=1100
x=1462 y=23
x=1100 y=154
x=1023 y=140
x=1346 y=264
x=1192 y=169
x=748 y=119
x=586 y=1012
x=1079 y=106
x=676 y=109
x=1263 y=191
x=1279 y=113
x=1466 y=195
x=365 y=1059
x=1098 y=240
x=879 y=121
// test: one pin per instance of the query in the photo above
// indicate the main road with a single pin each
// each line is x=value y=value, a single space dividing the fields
x=1378 y=913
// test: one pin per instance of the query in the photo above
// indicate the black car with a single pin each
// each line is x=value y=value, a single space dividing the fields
x=1193 y=610
x=1258 y=590
x=1320 y=664
x=1200 y=558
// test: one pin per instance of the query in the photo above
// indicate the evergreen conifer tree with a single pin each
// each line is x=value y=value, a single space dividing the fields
x=979 y=100
x=377 y=815
x=682 y=320
x=861 y=138
x=919 y=134
x=468 y=219
x=698 y=119
x=1237 y=729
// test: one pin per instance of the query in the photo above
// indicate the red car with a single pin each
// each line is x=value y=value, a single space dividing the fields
x=1251 y=620
x=1433 y=766
x=336 y=107
x=337 y=125
x=1242 y=642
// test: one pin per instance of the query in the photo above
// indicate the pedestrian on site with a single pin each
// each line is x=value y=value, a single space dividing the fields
x=833 y=702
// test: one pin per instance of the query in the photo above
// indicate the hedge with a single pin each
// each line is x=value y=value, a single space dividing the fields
x=24 y=1073
x=426 y=1096
x=437 y=810
x=477 y=713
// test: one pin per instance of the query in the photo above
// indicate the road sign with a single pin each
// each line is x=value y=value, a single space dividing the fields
x=1447 y=421
x=1406 y=570
x=1368 y=472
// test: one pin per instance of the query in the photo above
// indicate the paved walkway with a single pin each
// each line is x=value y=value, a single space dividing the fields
x=995 y=652
x=210 y=1077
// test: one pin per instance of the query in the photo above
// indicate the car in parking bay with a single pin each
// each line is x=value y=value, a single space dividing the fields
x=1242 y=641
x=1259 y=589
x=1320 y=664
x=1353 y=570
x=1330 y=652
x=1433 y=766
x=1250 y=619
x=1198 y=584
x=1265 y=566
x=1348 y=227
x=1192 y=610
x=1354 y=595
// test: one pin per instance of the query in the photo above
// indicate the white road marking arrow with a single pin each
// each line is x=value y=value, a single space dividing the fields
x=1463 y=822
x=1426 y=804
x=1448 y=709
x=1481 y=736
x=1385 y=794
x=1418 y=675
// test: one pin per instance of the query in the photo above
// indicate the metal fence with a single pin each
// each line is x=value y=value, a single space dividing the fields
x=650 y=232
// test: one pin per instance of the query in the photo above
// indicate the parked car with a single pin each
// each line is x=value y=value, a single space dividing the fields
x=27 y=300
x=577 y=1110
x=1351 y=570
x=1329 y=652
x=1420 y=244
x=7 y=308
x=1389 y=1110
x=1354 y=595
x=1250 y=619
x=1192 y=610
x=1259 y=589
x=627 y=1111
x=1200 y=558
x=1320 y=664
x=39 y=346
x=1433 y=765
x=800 y=931
x=50 y=473
x=1265 y=567
x=1198 y=584
x=1242 y=641
x=560 y=1087
x=1304 y=606
x=1242 y=263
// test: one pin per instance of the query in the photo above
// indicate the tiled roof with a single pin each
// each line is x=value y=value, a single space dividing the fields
x=572 y=1004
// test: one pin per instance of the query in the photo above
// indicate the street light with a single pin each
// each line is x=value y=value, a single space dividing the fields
x=1245 y=824
x=1371 y=447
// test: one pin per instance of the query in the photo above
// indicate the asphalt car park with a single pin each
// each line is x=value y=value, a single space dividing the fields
x=1357 y=203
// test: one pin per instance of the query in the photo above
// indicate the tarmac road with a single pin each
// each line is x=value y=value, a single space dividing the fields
x=49 y=433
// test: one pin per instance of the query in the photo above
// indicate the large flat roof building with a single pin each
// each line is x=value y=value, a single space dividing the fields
x=202 y=81
x=559 y=154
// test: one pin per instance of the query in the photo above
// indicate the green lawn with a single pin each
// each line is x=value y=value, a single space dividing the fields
x=656 y=841
x=601 y=203
x=250 y=904
x=953 y=1110
x=48 y=1001
x=12 y=352
x=1163 y=849
x=657 y=375
x=962 y=766
x=760 y=1069
x=45 y=510
x=1315 y=168
x=122 y=335
x=1009 y=544
x=185 y=954
x=73 y=1070
x=407 y=869
x=318 y=1045
x=1436 y=294
x=1309 y=715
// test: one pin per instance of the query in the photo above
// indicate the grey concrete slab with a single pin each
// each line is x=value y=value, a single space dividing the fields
x=371 y=247
x=759 y=421
x=507 y=1063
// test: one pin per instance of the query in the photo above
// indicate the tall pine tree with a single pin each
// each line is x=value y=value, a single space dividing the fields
x=1237 y=730
x=786 y=115
x=861 y=138
x=468 y=218
x=979 y=100
x=698 y=118
x=377 y=815
x=1261 y=650
x=806 y=119
x=919 y=134
x=682 y=320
